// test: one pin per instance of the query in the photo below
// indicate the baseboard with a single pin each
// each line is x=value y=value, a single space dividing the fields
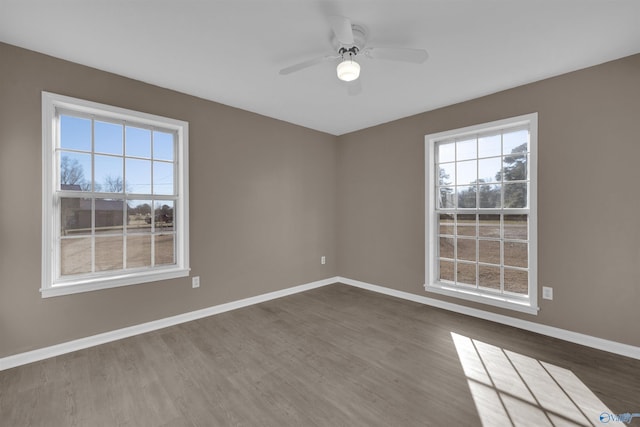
x=82 y=343
x=563 y=334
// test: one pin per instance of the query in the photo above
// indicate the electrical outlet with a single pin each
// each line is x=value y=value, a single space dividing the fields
x=547 y=292
x=195 y=282
x=323 y=260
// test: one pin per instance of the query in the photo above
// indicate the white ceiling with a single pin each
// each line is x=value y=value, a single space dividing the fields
x=230 y=51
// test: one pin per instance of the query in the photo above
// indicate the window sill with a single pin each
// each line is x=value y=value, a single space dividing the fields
x=524 y=306
x=94 y=284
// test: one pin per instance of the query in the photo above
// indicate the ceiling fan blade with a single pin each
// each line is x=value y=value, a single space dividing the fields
x=416 y=56
x=306 y=64
x=341 y=27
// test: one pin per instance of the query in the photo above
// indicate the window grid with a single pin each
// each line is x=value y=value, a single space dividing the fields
x=123 y=196
x=454 y=209
x=455 y=260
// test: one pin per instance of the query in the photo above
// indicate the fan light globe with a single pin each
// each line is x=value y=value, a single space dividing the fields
x=348 y=70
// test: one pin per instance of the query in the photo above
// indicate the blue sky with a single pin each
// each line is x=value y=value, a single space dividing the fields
x=141 y=153
x=487 y=149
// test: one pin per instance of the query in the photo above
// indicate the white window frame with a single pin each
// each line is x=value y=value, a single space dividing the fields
x=528 y=304
x=52 y=284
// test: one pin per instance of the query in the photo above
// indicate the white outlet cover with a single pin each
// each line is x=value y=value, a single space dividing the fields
x=547 y=292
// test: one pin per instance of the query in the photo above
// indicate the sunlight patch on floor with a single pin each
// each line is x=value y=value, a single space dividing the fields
x=509 y=388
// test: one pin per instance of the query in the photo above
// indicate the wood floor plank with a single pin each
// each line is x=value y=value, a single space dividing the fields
x=332 y=356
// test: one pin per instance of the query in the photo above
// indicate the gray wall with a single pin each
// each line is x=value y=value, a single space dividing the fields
x=269 y=198
x=262 y=207
x=588 y=204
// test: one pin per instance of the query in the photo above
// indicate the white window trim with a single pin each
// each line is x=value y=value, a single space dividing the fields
x=52 y=287
x=526 y=305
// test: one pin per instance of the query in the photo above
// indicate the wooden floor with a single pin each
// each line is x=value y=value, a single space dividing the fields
x=333 y=356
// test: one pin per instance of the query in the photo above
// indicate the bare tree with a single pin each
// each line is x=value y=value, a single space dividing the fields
x=113 y=184
x=71 y=172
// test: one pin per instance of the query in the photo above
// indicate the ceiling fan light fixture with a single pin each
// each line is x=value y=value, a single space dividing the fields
x=348 y=70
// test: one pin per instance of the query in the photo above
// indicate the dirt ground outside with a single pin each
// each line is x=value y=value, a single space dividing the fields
x=480 y=244
x=76 y=254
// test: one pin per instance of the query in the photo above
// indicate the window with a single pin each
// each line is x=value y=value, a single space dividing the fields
x=115 y=196
x=481 y=213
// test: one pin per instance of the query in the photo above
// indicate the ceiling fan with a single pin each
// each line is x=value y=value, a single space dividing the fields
x=350 y=41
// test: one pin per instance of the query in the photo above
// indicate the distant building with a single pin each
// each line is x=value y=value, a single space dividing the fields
x=70 y=187
x=76 y=214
